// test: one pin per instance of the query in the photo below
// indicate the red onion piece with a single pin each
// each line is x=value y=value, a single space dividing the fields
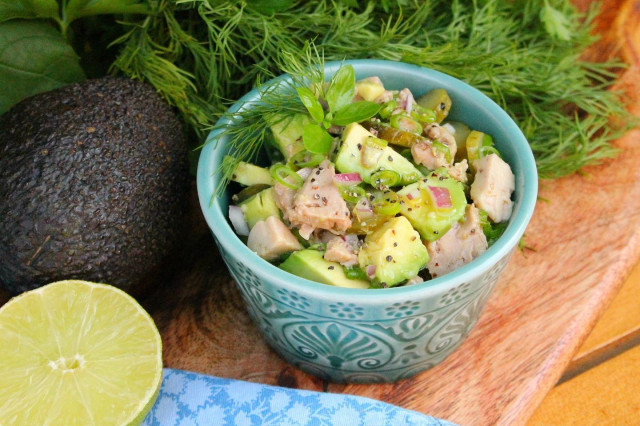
x=371 y=271
x=240 y=225
x=441 y=196
x=353 y=178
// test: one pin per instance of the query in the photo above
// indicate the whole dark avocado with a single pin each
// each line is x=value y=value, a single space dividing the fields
x=93 y=180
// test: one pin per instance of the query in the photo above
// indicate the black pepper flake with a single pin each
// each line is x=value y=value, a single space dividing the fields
x=316 y=196
x=389 y=258
x=410 y=209
x=442 y=106
x=325 y=201
x=390 y=158
x=346 y=213
x=318 y=171
x=395 y=244
x=313 y=180
x=331 y=267
x=359 y=146
x=435 y=232
x=441 y=178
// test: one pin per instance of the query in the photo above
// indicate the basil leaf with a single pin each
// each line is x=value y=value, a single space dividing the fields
x=311 y=103
x=355 y=112
x=316 y=139
x=78 y=8
x=28 y=9
x=34 y=58
x=341 y=88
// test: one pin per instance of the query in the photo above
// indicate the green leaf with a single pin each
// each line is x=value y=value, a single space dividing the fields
x=311 y=103
x=316 y=139
x=75 y=9
x=34 y=58
x=555 y=22
x=28 y=9
x=355 y=112
x=341 y=88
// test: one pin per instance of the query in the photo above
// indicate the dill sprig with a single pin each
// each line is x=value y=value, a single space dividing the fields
x=524 y=54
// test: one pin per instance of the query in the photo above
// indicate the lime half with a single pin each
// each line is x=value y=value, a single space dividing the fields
x=77 y=353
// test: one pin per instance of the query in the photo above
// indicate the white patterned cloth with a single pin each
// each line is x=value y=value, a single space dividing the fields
x=194 y=399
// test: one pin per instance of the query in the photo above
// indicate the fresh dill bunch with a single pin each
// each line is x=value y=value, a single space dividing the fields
x=201 y=55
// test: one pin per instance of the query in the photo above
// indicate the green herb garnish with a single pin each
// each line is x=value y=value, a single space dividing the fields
x=202 y=55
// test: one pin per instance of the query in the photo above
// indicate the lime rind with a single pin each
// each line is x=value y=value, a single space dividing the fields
x=75 y=352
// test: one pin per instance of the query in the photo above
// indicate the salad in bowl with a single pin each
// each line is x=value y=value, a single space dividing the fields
x=371 y=187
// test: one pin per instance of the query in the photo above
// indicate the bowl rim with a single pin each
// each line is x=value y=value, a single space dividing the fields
x=212 y=153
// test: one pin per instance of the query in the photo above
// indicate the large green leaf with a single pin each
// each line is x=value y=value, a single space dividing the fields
x=75 y=9
x=13 y=9
x=34 y=58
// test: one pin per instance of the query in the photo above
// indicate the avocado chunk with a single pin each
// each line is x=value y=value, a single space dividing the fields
x=369 y=89
x=248 y=174
x=259 y=207
x=93 y=186
x=363 y=153
x=287 y=133
x=396 y=251
x=310 y=264
x=433 y=204
x=437 y=100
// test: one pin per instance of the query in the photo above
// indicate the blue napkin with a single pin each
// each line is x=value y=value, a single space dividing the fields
x=194 y=399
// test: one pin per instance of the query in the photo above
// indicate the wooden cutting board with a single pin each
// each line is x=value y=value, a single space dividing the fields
x=585 y=236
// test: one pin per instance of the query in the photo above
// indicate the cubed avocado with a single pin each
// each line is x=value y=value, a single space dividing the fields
x=260 y=207
x=369 y=90
x=248 y=174
x=310 y=264
x=287 y=133
x=396 y=251
x=433 y=204
x=358 y=155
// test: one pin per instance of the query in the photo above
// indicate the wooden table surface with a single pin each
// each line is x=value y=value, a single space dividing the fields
x=600 y=386
x=586 y=240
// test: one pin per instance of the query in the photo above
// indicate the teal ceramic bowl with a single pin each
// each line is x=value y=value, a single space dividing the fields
x=381 y=335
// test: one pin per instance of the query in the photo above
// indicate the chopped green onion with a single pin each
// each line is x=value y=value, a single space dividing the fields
x=388 y=204
x=385 y=178
x=352 y=194
x=305 y=158
x=376 y=142
x=486 y=150
x=423 y=115
x=387 y=108
x=405 y=123
x=355 y=273
x=286 y=176
x=440 y=147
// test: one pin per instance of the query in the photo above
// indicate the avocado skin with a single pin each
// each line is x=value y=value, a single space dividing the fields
x=93 y=181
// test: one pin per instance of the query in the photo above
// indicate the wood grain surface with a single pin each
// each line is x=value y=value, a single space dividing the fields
x=585 y=236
